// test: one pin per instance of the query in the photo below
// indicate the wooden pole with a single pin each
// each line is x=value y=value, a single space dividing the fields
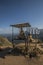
x=26 y=45
x=12 y=38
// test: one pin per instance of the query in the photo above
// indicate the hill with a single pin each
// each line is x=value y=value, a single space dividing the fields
x=4 y=41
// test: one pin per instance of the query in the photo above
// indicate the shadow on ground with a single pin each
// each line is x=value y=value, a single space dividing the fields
x=10 y=51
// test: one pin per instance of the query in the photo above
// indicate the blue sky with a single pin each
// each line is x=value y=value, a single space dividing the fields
x=20 y=11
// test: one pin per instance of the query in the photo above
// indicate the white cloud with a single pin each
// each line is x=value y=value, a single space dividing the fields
x=5 y=30
x=8 y=30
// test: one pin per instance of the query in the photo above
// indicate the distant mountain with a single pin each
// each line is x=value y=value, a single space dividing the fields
x=9 y=36
x=41 y=30
x=41 y=34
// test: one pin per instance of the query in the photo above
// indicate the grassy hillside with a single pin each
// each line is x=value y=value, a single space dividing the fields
x=4 y=41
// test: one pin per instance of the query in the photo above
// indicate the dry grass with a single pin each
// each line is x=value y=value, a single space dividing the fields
x=21 y=60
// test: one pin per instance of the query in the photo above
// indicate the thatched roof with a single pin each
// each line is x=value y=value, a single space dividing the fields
x=21 y=25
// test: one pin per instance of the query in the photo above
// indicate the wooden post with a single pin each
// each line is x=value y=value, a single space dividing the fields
x=12 y=38
x=26 y=45
x=36 y=38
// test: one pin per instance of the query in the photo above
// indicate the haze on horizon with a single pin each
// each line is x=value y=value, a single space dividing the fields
x=20 y=11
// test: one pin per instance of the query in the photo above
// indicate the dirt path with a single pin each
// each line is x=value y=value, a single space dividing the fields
x=20 y=60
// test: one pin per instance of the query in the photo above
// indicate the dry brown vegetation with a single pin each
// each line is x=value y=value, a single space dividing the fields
x=17 y=58
x=20 y=59
x=4 y=42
